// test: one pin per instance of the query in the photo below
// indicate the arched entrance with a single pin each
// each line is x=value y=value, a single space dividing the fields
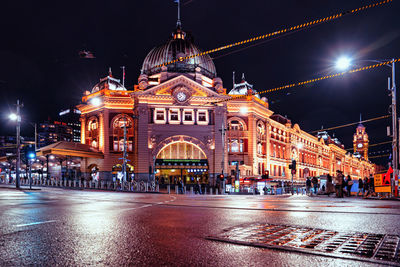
x=181 y=160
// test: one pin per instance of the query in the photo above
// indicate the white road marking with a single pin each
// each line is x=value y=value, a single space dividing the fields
x=34 y=223
x=149 y=205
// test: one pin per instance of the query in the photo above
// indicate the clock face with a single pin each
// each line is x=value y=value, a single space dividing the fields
x=360 y=145
x=181 y=96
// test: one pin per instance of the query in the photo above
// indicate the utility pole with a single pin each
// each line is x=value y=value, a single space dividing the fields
x=36 y=138
x=223 y=132
x=395 y=162
x=124 y=156
x=18 y=164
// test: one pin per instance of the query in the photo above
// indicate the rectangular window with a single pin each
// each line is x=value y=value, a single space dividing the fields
x=188 y=116
x=174 y=115
x=202 y=117
x=241 y=145
x=160 y=115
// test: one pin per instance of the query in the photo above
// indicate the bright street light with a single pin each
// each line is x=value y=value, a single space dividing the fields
x=343 y=63
x=13 y=116
x=95 y=101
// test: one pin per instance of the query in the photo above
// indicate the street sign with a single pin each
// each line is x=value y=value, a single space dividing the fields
x=381 y=183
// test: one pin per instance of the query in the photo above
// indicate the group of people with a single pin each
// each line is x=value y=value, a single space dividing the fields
x=341 y=185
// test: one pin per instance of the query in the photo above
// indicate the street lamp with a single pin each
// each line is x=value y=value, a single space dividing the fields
x=345 y=63
x=16 y=117
x=13 y=116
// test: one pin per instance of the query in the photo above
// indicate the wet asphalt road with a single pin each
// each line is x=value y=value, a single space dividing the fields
x=93 y=228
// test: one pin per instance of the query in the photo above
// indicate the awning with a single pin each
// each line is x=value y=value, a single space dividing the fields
x=71 y=149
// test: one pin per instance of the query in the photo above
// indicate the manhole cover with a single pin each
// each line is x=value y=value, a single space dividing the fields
x=376 y=248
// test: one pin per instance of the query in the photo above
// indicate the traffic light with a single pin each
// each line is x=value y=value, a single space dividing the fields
x=221 y=176
x=293 y=165
x=30 y=152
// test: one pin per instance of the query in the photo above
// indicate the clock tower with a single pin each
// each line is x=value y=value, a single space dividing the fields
x=360 y=141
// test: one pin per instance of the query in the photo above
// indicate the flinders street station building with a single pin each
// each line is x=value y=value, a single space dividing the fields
x=176 y=125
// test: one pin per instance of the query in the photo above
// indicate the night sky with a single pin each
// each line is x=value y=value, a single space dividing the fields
x=40 y=43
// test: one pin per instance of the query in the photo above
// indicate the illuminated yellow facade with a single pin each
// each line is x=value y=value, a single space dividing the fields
x=180 y=126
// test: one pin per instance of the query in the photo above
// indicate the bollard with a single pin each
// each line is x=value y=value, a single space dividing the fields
x=211 y=191
x=102 y=185
x=216 y=191
x=169 y=189
x=191 y=190
x=115 y=186
x=158 y=188
x=176 y=189
x=69 y=183
x=147 y=187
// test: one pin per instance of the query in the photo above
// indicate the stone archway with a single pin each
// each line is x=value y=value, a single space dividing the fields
x=181 y=158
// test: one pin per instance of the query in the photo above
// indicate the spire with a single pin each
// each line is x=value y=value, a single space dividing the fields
x=360 y=118
x=178 y=22
x=109 y=72
x=233 y=79
x=243 y=79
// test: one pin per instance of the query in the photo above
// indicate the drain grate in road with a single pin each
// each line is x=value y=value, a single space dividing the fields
x=376 y=248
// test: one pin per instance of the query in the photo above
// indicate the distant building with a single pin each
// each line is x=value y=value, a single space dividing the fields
x=51 y=132
x=71 y=117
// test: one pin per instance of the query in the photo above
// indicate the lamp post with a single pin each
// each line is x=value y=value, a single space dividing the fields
x=17 y=117
x=344 y=63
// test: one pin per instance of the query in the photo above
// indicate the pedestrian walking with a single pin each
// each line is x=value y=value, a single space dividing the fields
x=329 y=185
x=308 y=186
x=314 y=181
x=371 y=185
x=344 y=184
x=338 y=184
x=365 y=186
x=360 y=187
x=349 y=184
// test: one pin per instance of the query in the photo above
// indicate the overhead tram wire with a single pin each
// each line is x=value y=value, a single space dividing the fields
x=380 y=156
x=280 y=32
x=309 y=81
x=350 y=124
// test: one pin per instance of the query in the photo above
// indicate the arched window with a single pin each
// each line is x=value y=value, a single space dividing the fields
x=260 y=128
x=235 y=125
x=92 y=132
x=235 y=145
x=118 y=126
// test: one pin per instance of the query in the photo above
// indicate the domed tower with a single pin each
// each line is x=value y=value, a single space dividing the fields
x=361 y=141
x=179 y=55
